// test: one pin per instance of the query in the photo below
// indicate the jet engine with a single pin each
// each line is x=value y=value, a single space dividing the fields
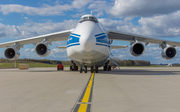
x=137 y=49
x=169 y=53
x=12 y=53
x=42 y=49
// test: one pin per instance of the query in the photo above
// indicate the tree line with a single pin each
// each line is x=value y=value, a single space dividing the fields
x=68 y=62
x=130 y=62
x=25 y=60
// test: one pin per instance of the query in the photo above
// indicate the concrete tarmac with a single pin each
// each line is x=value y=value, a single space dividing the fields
x=131 y=89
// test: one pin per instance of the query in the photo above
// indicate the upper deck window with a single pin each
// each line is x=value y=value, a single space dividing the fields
x=88 y=18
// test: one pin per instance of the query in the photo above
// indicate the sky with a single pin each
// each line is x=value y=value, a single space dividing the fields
x=21 y=19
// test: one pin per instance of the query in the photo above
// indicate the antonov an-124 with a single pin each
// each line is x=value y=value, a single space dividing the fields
x=89 y=44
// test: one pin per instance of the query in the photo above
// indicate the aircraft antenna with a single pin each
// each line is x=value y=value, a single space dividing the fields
x=91 y=12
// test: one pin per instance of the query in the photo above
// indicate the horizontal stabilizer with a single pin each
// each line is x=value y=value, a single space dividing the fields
x=118 y=47
x=61 y=47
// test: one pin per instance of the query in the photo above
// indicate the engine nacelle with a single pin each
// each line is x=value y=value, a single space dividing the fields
x=137 y=49
x=12 y=53
x=169 y=53
x=42 y=49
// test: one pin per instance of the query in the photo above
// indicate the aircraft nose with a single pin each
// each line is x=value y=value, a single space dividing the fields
x=87 y=43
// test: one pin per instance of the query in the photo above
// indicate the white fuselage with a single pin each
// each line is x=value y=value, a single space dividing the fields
x=88 y=45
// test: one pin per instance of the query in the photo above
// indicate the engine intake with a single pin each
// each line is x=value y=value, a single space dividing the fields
x=42 y=49
x=169 y=53
x=12 y=53
x=137 y=49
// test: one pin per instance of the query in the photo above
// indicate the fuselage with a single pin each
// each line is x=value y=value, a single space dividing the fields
x=88 y=44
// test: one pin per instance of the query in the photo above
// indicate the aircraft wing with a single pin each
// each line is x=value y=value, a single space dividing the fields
x=58 y=36
x=117 y=35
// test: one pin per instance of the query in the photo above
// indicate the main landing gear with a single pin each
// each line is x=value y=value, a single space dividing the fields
x=107 y=67
x=73 y=67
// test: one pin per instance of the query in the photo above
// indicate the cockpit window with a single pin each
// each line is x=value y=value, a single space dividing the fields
x=91 y=18
x=85 y=17
x=88 y=18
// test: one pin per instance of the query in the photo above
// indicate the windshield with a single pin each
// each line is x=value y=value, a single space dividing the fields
x=88 y=18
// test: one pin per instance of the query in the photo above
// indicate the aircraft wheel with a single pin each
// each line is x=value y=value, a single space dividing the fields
x=96 y=70
x=75 y=68
x=105 y=67
x=85 y=69
x=109 y=69
x=80 y=69
x=92 y=69
x=70 y=68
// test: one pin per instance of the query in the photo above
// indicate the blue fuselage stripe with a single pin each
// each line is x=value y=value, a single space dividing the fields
x=99 y=34
x=75 y=34
x=73 y=40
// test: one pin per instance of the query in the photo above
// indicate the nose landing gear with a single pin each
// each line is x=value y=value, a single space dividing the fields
x=83 y=69
x=92 y=69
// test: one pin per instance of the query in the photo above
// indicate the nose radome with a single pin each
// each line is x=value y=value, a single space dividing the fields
x=87 y=43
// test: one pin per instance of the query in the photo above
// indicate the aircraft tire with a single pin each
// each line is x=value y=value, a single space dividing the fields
x=96 y=70
x=105 y=67
x=80 y=70
x=70 y=68
x=92 y=69
x=109 y=69
x=85 y=69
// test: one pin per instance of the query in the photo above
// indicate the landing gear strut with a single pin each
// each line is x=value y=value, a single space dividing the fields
x=94 y=69
x=73 y=67
x=107 y=67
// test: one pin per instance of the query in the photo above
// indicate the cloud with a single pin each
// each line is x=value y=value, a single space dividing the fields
x=80 y=3
x=78 y=15
x=121 y=56
x=99 y=7
x=144 y=7
x=166 y=25
x=156 y=26
x=59 y=54
x=26 y=50
x=32 y=50
x=111 y=24
x=162 y=25
x=45 y=10
x=29 y=50
x=30 y=29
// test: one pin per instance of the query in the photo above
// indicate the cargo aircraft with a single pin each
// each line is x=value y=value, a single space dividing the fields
x=89 y=44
